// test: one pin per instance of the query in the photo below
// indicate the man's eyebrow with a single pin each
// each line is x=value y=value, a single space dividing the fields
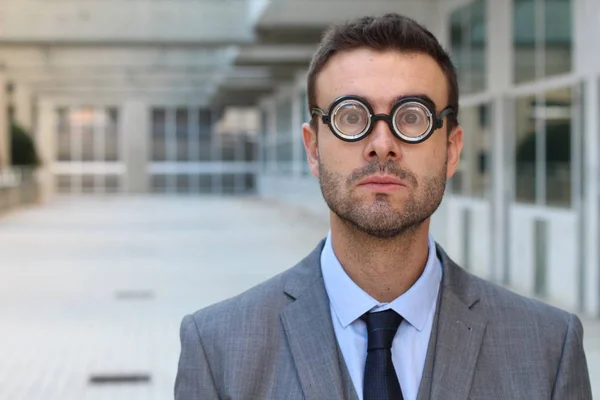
x=402 y=96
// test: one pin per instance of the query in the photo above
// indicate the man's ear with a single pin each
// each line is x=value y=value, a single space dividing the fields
x=454 y=149
x=311 y=145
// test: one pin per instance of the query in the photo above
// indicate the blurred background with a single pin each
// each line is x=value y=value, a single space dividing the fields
x=151 y=163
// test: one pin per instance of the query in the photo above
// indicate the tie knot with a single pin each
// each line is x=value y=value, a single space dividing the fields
x=382 y=327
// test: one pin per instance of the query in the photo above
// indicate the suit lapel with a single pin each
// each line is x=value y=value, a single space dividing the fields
x=456 y=339
x=348 y=385
x=309 y=330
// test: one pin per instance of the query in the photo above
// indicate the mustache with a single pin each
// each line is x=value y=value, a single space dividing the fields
x=389 y=168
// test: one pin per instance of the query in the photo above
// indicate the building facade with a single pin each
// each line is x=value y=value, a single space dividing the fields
x=209 y=97
x=523 y=208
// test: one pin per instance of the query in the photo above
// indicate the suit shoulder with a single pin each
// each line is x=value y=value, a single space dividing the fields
x=260 y=302
x=505 y=303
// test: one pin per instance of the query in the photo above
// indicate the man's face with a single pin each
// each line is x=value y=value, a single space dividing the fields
x=419 y=170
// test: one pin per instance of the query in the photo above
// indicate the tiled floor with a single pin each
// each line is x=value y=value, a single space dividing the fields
x=94 y=286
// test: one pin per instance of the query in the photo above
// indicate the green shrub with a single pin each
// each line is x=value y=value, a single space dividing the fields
x=23 y=151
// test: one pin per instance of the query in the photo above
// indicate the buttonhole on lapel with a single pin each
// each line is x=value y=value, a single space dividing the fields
x=468 y=327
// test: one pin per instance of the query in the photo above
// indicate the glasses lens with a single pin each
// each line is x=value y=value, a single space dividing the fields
x=351 y=118
x=412 y=119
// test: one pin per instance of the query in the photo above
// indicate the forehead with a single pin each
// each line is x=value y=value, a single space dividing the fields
x=381 y=77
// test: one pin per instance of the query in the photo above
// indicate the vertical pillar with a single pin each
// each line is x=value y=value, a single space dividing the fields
x=135 y=129
x=22 y=101
x=46 y=146
x=499 y=61
x=4 y=132
x=587 y=63
x=296 y=130
x=271 y=137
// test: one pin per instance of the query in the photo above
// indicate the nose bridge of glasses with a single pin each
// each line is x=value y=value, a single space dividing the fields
x=387 y=118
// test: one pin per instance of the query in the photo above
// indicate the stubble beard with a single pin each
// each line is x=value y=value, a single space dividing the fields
x=382 y=218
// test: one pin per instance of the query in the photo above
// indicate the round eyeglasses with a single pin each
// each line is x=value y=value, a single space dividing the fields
x=412 y=119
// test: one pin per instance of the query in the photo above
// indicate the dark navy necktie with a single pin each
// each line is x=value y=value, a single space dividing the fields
x=381 y=381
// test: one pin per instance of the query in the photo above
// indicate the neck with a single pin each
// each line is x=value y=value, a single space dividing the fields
x=384 y=268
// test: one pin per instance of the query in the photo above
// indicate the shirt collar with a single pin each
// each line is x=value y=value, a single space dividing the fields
x=350 y=302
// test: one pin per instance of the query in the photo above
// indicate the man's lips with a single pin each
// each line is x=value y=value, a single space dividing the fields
x=386 y=183
x=382 y=180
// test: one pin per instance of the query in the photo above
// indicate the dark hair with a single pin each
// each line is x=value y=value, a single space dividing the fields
x=387 y=32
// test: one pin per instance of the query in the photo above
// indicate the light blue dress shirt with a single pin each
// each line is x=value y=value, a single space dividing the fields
x=417 y=306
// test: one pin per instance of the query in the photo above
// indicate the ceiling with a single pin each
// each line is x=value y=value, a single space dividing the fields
x=216 y=52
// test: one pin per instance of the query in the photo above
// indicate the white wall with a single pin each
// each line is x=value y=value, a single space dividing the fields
x=478 y=259
x=561 y=253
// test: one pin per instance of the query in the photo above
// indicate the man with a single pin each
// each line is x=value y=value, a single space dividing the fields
x=378 y=310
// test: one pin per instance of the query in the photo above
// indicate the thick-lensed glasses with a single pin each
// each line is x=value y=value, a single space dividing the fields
x=412 y=119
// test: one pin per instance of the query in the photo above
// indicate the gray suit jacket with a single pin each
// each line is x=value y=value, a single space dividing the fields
x=276 y=341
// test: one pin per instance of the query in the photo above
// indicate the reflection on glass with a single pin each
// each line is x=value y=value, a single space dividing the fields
x=549 y=118
x=159 y=130
x=478 y=41
x=542 y=38
x=524 y=39
x=473 y=175
x=558 y=132
x=468 y=45
x=557 y=37
x=525 y=151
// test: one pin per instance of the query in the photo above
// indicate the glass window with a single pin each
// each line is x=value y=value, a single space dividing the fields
x=468 y=40
x=558 y=138
x=181 y=134
x=542 y=38
x=63 y=139
x=557 y=37
x=205 y=134
x=543 y=148
x=112 y=135
x=159 y=131
x=85 y=121
x=526 y=154
x=473 y=175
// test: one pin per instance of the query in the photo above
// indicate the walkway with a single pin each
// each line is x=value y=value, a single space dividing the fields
x=93 y=289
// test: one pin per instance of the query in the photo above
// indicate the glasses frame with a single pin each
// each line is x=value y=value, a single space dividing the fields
x=435 y=122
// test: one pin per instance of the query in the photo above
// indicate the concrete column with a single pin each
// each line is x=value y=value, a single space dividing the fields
x=4 y=133
x=499 y=77
x=271 y=136
x=46 y=146
x=587 y=64
x=296 y=131
x=22 y=101
x=135 y=129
